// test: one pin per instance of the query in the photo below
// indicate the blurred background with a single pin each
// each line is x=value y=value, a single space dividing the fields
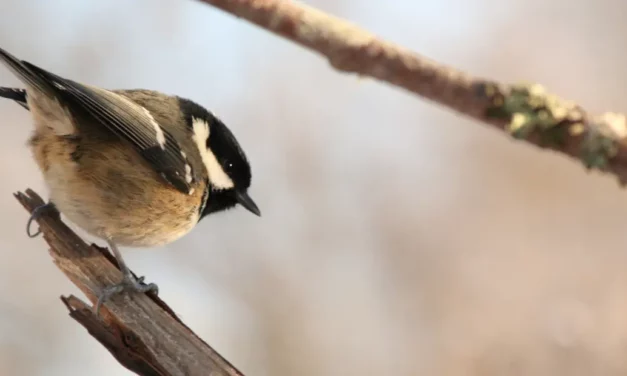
x=396 y=239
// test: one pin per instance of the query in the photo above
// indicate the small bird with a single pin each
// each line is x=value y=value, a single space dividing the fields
x=135 y=168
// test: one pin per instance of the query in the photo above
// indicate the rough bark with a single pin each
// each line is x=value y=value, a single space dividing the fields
x=139 y=330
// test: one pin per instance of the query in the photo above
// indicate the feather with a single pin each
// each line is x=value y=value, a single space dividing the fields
x=119 y=115
x=17 y=95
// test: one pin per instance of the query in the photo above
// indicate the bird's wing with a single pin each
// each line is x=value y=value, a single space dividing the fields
x=118 y=114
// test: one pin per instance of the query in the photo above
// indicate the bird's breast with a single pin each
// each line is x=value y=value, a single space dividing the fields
x=109 y=190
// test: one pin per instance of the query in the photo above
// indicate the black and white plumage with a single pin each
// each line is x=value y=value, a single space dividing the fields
x=18 y=95
x=122 y=117
x=134 y=167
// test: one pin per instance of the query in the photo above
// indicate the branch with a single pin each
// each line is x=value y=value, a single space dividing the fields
x=139 y=330
x=526 y=112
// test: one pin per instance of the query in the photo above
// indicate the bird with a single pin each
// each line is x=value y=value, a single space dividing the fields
x=132 y=167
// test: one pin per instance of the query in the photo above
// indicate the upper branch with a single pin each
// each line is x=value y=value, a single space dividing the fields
x=524 y=111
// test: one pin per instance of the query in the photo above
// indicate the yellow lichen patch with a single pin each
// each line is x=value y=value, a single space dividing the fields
x=536 y=93
x=561 y=109
x=534 y=97
x=576 y=129
x=559 y=112
x=551 y=120
x=616 y=122
x=518 y=121
x=537 y=90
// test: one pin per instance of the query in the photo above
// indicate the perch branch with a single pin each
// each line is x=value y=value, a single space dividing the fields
x=525 y=111
x=139 y=330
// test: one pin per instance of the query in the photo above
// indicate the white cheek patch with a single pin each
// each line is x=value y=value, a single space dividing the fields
x=217 y=176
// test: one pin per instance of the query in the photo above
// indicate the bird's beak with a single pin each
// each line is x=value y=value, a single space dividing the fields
x=244 y=199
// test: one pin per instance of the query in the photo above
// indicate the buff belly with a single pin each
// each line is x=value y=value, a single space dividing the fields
x=109 y=191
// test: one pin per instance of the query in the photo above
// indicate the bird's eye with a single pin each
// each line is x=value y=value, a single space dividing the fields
x=228 y=166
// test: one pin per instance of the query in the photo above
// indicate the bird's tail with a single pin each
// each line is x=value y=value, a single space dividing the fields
x=18 y=95
x=25 y=74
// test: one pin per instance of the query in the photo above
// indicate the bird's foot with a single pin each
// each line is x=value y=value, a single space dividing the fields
x=36 y=214
x=129 y=284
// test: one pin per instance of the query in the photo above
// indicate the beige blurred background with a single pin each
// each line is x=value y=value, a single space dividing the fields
x=396 y=237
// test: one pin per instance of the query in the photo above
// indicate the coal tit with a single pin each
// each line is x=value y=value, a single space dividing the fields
x=135 y=168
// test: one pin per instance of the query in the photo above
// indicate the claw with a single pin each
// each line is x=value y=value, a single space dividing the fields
x=34 y=215
x=129 y=284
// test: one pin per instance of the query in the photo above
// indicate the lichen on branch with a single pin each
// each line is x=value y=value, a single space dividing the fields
x=525 y=111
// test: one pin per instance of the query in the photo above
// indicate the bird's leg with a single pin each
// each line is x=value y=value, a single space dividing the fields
x=128 y=284
x=34 y=215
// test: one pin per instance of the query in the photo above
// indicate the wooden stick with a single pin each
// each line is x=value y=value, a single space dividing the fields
x=139 y=330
